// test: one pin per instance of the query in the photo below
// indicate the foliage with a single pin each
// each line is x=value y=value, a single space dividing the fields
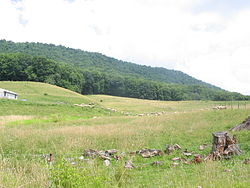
x=21 y=67
x=94 y=73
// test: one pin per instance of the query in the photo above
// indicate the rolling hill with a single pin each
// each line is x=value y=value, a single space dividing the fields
x=94 y=73
x=97 y=61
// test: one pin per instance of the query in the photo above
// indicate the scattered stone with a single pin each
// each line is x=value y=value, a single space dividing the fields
x=90 y=153
x=157 y=163
x=129 y=164
x=146 y=153
x=246 y=161
x=111 y=151
x=227 y=170
x=176 y=159
x=105 y=155
x=106 y=162
x=187 y=162
x=73 y=163
x=81 y=158
x=245 y=125
x=197 y=159
x=169 y=149
x=177 y=146
x=199 y=186
x=187 y=153
x=117 y=157
x=132 y=153
x=174 y=164
x=202 y=147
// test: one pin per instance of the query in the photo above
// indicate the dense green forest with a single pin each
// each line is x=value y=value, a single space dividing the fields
x=98 y=62
x=92 y=73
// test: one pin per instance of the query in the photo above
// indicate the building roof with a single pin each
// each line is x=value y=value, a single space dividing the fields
x=2 y=90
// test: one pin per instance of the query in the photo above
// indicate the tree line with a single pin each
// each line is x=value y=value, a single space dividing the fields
x=22 y=67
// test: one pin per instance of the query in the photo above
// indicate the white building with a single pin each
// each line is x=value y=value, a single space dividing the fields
x=7 y=94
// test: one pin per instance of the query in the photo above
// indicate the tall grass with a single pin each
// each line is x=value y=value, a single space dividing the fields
x=29 y=130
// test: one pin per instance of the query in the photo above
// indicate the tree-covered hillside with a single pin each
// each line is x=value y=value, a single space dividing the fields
x=91 y=75
x=99 y=62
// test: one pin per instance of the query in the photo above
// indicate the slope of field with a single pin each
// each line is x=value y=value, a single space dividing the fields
x=27 y=138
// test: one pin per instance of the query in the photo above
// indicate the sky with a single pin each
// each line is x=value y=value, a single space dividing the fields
x=207 y=39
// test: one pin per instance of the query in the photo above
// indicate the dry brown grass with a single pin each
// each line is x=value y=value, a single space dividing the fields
x=11 y=118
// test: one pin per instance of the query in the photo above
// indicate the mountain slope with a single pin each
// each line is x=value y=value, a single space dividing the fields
x=93 y=73
x=97 y=61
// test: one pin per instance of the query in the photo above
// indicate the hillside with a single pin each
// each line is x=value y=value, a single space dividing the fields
x=99 y=62
x=49 y=123
x=93 y=73
x=41 y=99
x=43 y=93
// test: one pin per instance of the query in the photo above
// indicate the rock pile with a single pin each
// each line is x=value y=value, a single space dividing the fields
x=245 y=125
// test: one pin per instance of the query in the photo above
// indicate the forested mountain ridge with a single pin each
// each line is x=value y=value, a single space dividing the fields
x=93 y=73
x=98 y=62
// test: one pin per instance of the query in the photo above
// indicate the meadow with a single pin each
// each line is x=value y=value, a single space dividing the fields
x=46 y=120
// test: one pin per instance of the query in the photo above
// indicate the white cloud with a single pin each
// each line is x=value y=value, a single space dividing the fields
x=168 y=33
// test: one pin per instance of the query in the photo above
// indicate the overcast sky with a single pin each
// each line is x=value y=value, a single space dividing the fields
x=207 y=39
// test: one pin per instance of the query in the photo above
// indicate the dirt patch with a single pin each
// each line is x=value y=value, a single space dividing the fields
x=7 y=119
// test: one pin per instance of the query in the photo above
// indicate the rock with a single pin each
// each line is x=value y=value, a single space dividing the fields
x=169 y=149
x=81 y=158
x=117 y=157
x=146 y=153
x=187 y=162
x=132 y=153
x=197 y=159
x=104 y=157
x=177 y=146
x=227 y=170
x=90 y=153
x=245 y=125
x=102 y=154
x=174 y=164
x=156 y=163
x=106 y=162
x=111 y=151
x=246 y=161
x=186 y=153
x=176 y=159
x=202 y=147
x=129 y=164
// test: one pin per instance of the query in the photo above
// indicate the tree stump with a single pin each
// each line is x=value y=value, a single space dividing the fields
x=223 y=146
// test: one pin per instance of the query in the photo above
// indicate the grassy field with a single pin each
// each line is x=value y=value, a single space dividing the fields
x=48 y=121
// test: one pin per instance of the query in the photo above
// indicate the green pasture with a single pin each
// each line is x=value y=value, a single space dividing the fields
x=49 y=122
